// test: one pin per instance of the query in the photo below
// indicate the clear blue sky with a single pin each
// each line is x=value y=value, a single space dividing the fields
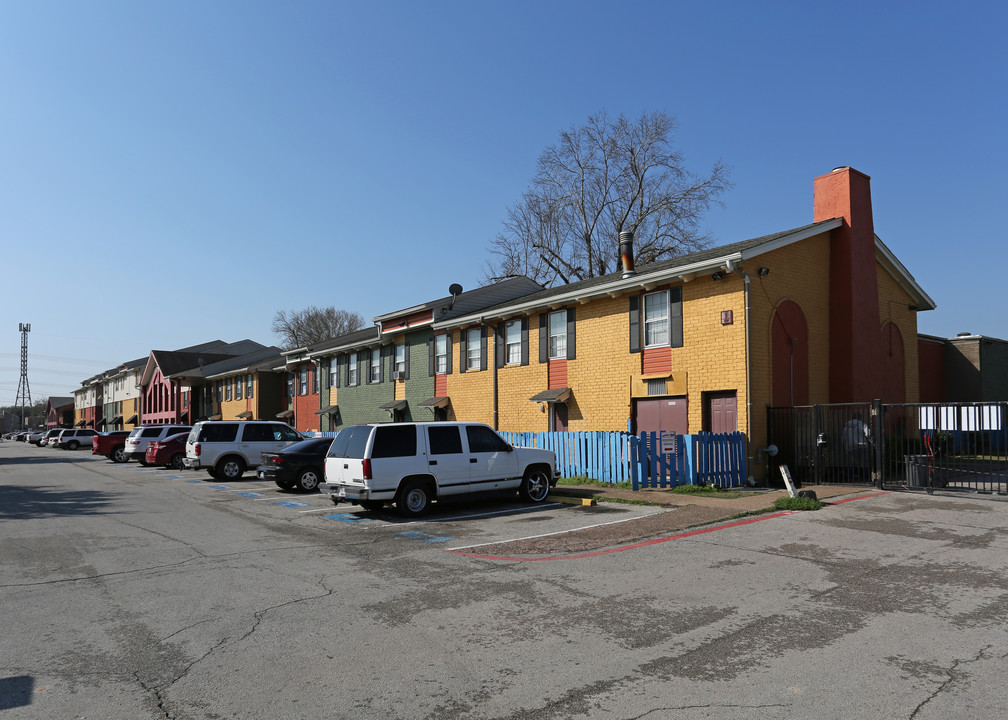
x=175 y=172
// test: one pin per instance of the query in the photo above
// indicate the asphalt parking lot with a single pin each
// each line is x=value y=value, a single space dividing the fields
x=133 y=592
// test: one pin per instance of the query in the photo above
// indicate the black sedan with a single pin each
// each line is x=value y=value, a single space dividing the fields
x=299 y=465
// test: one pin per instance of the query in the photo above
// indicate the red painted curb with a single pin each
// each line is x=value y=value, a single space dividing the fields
x=655 y=541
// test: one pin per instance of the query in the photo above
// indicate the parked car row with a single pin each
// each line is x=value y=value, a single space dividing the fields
x=408 y=464
x=66 y=438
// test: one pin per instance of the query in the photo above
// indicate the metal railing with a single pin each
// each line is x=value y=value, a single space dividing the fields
x=921 y=446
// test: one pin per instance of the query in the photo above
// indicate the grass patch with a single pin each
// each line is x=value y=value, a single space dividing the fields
x=797 y=503
x=583 y=481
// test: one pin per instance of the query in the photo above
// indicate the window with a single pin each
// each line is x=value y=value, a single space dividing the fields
x=333 y=372
x=512 y=342
x=474 y=347
x=483 y=439
x=440 y=354
x=444 y=440
x=352 y=370
x=248 y=386
x=314 y=379
x=558 y=335
x=375 y=365
x=663 y=326
x=656 y=324
x=227 y=390
x=394 y=441
x=218 y=432
x=220 y=390
x=303 y=381
x=238 y=387
x=290 y=385
x=400 y=358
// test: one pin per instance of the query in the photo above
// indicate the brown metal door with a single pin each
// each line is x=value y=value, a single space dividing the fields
x=658 y=414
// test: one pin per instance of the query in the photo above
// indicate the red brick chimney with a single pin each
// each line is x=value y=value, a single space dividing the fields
x=856 y=372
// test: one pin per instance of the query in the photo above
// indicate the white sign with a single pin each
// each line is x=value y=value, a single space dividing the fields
x=668 y=443
x=787 y=481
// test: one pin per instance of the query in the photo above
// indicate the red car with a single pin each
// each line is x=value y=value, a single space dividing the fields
x=168 y=452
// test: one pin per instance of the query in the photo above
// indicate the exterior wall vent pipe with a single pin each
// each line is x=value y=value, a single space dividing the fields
x=626 y=253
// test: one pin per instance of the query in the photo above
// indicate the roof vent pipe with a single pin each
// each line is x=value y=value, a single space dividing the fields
x=626 y=253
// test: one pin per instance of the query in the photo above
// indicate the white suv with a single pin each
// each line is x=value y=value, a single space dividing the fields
x=413 y=464
x=143 y=435
x=71 y=439
x=226 y=449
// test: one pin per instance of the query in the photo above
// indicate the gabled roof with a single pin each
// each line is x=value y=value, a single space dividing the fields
x=190 y=363
x=57 y=402
x=462 y=304
x=260 y=359
x=682 y=268
x=358 y=338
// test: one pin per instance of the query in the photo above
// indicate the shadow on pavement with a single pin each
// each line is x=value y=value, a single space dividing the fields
x=22 y=503
x=16 y=691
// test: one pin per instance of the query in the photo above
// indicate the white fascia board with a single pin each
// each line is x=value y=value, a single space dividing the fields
x=903 y=276
x=349 y=347
x=295 y=350
x=613 y=288
x=786 y=240
x=378 y=319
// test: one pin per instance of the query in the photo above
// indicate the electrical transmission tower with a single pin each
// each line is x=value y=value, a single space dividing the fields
x=23 y=393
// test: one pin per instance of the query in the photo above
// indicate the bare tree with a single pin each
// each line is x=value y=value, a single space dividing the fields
x=313 y=325
x=604 y=177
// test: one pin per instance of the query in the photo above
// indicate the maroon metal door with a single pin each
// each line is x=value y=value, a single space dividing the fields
x=722 y=410
x=658 y=414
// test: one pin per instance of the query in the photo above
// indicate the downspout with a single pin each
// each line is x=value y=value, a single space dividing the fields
x=492 y=362
x=748 y=360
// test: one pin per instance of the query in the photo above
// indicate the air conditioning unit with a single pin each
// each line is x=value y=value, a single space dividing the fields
x=398 y=375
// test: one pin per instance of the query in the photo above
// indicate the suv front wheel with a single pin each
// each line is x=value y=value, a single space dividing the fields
x=230 y=468
x=535 y=485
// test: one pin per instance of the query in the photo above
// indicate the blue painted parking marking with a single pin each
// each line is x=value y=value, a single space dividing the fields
x=194 y=481
x=291 y=504
x=347 y=517
x=251 y=494
x=423 y=537
x=221 y=487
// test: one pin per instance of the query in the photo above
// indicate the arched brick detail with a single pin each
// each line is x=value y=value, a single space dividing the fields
x=789 y=359
x=894 y=360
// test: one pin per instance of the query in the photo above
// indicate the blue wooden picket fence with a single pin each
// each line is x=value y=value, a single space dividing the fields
x=703 y=459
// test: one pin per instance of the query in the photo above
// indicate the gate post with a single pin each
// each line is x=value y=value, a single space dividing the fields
x=817 y=462
x=878 y=428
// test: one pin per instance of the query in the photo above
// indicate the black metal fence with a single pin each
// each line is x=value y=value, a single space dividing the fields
x=922 y=446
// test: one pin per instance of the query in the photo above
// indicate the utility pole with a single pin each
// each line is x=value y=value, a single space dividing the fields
x=23 y=392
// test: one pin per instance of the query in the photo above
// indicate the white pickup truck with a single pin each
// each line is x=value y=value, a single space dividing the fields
x=413 y=464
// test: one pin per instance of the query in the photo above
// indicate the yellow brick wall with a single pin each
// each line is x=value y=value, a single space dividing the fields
x=894 y=307
x=471 y=392
x=799 y=273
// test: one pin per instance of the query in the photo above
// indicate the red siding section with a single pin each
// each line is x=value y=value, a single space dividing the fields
x=305 y=406
x=441 y=385
x=557 y=374
x=656 y=360
x=160 y=401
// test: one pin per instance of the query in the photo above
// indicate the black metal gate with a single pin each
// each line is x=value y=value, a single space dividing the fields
x=922 y=446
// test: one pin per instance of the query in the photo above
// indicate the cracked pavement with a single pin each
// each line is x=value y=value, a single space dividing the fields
x=130 y=596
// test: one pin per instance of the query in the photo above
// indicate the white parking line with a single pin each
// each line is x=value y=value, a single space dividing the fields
x=534 y=537
x=515 y=511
